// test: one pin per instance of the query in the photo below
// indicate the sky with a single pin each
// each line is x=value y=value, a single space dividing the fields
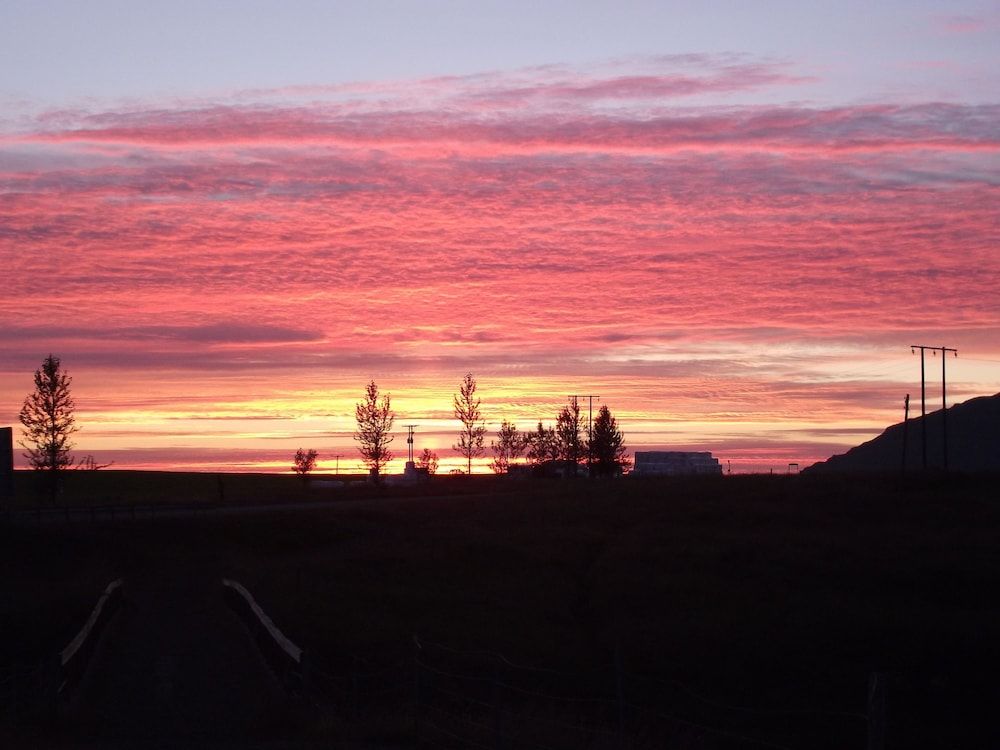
x=728 y=221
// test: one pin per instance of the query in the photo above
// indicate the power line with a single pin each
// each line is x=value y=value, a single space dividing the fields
x=980 y=359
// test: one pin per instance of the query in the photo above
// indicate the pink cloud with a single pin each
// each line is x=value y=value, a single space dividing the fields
x=686 y=262
x=865 y=129
x=963 y=23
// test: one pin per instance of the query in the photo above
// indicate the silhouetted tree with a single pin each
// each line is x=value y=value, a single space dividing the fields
x=607 y=444
x=507 y=448
x=428 y=460
x=304 y=462
x=89 y=463
x=375 y=417
x=572 y=447
x=48 y=420
x=470 y=439
x=542 y=445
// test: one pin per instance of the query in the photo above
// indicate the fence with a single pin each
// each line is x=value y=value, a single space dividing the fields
x=361 y=686
x=454 y=698
x=481 y=699
x=507 y=705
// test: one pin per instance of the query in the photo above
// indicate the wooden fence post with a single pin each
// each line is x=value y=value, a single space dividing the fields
x=355 y=688
x=877 y=699
x=416 y=690
x=498 y=743
x=51 y=680
x=304 y=673
x=620 y=691
x=13 y=693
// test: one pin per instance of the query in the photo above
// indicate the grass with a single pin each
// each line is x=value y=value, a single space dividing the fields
x=763 y=592
x=120 y=488
x=111 y=487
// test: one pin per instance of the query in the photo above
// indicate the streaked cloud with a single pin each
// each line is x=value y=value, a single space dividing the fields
x=703 y=261
x=966 y=23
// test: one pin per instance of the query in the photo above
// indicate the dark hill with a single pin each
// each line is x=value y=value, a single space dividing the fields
x=973 y=443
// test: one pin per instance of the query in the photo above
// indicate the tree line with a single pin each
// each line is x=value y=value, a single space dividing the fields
x=564 y=446
x=48 y=419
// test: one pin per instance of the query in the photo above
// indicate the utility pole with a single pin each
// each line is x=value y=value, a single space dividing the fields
x=336 y=471
x=944 y=404
x=906 y=429
x=923 y=404
x=409 y=443
x=923 y=399
x=590 y=427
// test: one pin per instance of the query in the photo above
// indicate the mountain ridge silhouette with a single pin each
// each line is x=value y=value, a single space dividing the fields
x=973 y=443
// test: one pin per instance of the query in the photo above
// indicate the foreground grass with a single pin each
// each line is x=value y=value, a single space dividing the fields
x=768 y=593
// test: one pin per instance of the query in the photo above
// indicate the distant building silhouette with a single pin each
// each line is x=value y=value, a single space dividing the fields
x=557 y=468
x=659 y=463
x=6 y=462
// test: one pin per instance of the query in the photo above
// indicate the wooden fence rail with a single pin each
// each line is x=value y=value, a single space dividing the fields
x=74 y=658
x=287 y=660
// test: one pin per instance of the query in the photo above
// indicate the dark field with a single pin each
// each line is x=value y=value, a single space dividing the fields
x=711 y=613
x=113 y=487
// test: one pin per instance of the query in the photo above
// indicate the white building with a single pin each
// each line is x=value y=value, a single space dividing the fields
x=657 y=463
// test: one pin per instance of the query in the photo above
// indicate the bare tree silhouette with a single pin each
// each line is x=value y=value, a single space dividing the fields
x=374 y=416
x=304 y=462
x=428 y=460
x=507 y=448
x=572 y=448
x=542 y=445
x=48 y=420
x=89 y=463
x=470 y=439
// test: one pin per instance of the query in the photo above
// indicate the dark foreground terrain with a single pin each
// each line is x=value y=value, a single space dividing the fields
x=719 y=613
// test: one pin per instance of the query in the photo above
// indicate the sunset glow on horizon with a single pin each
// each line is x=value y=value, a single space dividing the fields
x=729 y=249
